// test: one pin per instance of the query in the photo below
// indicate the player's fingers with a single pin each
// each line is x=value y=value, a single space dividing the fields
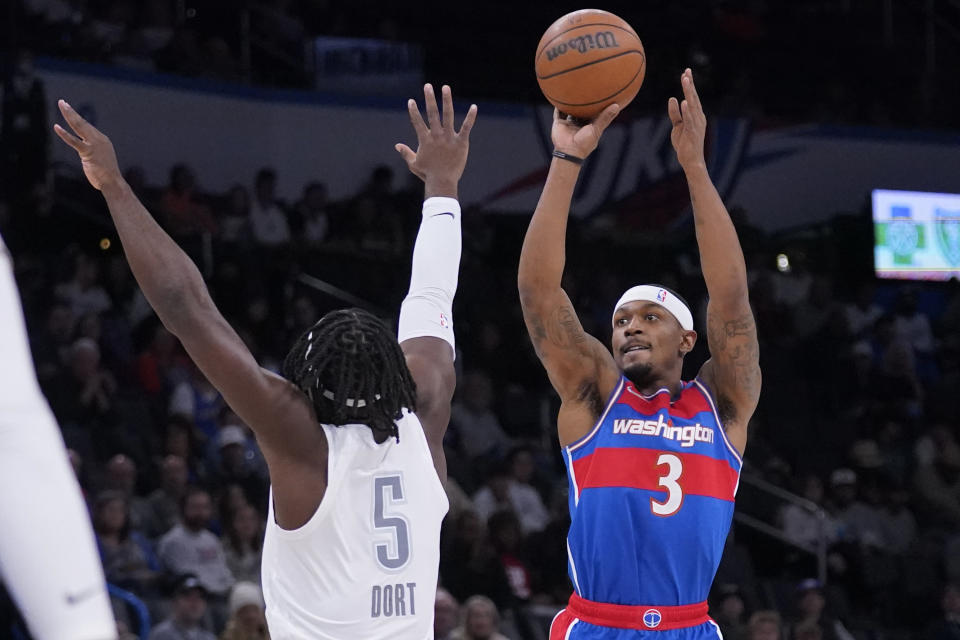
x=430 y=103
x=83 y=128
x=606 y=117
x=673 y=111
x=406 y=153
x=685 y=109
x=416 y=119
x=690 y=89
x=446 y=96
x=68 y=137
x=468 y=121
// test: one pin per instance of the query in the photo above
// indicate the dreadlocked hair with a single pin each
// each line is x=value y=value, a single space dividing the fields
x=352 y=368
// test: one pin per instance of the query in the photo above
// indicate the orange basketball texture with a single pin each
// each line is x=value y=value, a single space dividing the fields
x=589 y=59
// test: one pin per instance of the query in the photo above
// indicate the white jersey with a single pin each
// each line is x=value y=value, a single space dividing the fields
x=365 y=565
x=48 y=557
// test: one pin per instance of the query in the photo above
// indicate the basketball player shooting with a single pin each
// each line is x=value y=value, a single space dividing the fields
x=353 y=432
x=653 y=461
x=48 y=556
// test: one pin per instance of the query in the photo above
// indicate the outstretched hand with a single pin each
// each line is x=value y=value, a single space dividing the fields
x=689 y=124
x=441 y=153
x=574 y=137
x=96 y=152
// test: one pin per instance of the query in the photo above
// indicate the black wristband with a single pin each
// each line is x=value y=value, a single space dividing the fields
x=567 y=156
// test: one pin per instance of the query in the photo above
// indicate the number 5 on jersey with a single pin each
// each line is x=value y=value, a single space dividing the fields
x=388 y=491
x=669 y=481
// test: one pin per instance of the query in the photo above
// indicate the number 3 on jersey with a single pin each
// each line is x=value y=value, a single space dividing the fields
x=388 y=491
x=669 y=481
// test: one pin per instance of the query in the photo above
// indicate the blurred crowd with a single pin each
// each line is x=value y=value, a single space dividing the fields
x=858 y=415
x=769 y=60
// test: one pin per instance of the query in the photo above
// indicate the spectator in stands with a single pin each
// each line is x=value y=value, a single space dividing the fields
x=237 y=465
x=121 y=476
x=862 y=312
x=163 y=504
x=198 y=400
x=727 y=611
x=190 y=546
x=83 y=293
x=24 y=134
x=51 y=345
x=128 y=561
x=188 y=612
x=268 y=220
x=234 y=219
x=243 y=543
x=948 y=626
x=313 y=222
x=246 y=609
x=898 y=525
x=181 y=439
x=477 y=427
x=182 y=212
x=481 y=621
x=802 y=526
x=506 y=537
x=503 y=491
x=938 y=486
x=82 y=396
x=446 y=614
x=765 y=625
x=810 y=611
x=897 y=384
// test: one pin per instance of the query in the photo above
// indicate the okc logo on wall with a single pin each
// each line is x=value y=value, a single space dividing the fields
x=652 y=618
x=948 y=235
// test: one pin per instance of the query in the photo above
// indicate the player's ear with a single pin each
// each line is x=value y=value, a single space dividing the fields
x=687 y=341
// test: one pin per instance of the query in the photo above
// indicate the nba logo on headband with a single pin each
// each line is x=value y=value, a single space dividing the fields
x=658 y=295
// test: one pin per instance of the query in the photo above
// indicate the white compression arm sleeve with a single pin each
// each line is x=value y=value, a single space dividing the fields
x=48 y=558
x=428 y=308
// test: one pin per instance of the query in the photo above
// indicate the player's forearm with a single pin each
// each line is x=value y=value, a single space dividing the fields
x=721 y=257
x=543 y=256
x=166 y=275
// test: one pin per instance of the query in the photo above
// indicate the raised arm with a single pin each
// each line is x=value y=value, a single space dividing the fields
x=580 y=368
x=277 y=412
x=426 y=316
x=733 y=370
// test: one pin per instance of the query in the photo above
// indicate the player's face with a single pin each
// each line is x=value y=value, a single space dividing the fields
x=648 y=339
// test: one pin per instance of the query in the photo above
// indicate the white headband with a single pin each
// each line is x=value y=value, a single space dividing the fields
x=660 y=296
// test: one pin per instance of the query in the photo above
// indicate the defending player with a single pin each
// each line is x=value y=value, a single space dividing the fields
x=48 y=557
x=353 y=434
x=653 y=461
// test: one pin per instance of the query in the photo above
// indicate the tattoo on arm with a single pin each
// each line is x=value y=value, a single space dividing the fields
x=734 y=348
x=565 y=329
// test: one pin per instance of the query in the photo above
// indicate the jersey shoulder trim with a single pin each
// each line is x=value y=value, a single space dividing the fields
x=708 y=394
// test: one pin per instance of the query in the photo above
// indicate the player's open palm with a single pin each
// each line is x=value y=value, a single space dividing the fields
x=95 y=149
x=689 y=124
x=441 y=151
x=572 y=136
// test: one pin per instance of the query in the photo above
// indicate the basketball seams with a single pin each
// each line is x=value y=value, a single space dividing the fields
x=628 y=29
x=587 y=104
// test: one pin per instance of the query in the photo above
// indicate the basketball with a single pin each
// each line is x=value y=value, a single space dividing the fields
x=589 y=59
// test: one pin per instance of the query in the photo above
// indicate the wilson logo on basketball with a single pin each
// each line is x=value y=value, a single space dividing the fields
x=582 y=44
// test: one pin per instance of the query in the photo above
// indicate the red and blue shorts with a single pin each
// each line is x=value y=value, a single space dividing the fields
x=587 y=620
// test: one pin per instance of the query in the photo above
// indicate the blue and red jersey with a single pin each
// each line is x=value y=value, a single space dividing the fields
x=652 y=491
